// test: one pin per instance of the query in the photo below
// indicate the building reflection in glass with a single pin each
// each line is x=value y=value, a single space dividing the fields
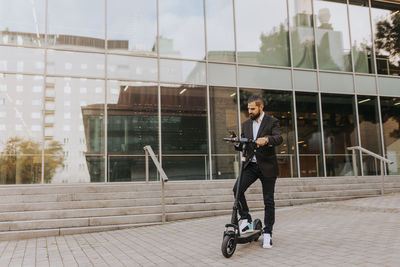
x=184 y=132
x=332 y=35
x=369 y=132
x=340 y=132
x=132 y=110
x=302 y=33
x=224 y=117
x=390 y=107
x=309 y=135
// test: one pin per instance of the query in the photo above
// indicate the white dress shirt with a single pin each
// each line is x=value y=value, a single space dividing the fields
x=256 y=127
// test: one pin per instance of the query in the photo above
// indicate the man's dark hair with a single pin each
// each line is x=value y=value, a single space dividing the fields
x=256 y=98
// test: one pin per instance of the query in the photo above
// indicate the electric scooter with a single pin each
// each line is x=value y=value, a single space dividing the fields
x=232 y=235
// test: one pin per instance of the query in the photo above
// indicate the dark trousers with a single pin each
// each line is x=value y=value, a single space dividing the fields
x=250 y=175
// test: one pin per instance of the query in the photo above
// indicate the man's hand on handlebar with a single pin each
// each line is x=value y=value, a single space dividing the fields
x=262 y=141
x=234 y=136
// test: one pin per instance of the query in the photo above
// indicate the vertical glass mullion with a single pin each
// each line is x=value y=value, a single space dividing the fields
x=321 y=128
x=105 y=121
x=358 y=135
x=158 y=84
x=208 y=94
x=296 y=154
x=44 y=91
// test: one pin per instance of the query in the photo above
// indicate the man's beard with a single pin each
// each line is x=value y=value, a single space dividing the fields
x=254 y=117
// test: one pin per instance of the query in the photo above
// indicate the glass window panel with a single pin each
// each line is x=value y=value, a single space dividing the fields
x=262 y=32
x=385 y=26
x=369 y=132
x=361 y=36
x=184 y=132
x=19 y=59
x=389 y=86
x=305 y=80
x=73 y=63
x=309 y=135
x=332 y=35
x=223 y=117
x=22 y=22
x=132 y=110
x=182 y=29
x=221 y=74
x=264 y=77
x=20 y=129
x=365 y=84
x=76 y=24
x=334 y=82
x=132 y=68
x=132 y=26
x=391 y=131
x=340 y=132
x=302 y=32
x=182 y=71
x=220 y=30
x=74 y=131
x=278 y=104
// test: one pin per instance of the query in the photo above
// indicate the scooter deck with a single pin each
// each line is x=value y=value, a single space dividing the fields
x=248 y=237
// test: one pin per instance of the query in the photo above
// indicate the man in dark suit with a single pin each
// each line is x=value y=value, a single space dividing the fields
x=260 y=163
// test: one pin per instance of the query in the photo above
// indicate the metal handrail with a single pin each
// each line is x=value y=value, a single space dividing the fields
x=163 y=177
x=382 y=160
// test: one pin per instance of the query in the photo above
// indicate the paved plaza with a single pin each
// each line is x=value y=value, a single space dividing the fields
x=360 y=232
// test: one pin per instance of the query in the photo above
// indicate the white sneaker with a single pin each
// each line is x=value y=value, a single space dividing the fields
x=267 y=241
x=246 y=227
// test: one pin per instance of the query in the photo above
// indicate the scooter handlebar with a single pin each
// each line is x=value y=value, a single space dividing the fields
x=240 y=140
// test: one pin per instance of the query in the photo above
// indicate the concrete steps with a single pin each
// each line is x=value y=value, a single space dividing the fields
x=28 y=211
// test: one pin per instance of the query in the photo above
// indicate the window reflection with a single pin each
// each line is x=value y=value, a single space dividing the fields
x=184 y=132
x=132 y=26
x=182 y=29
x=224 y=117
x=182 y=71
x=262 y=32
x=22 y=22
x=332 y=35
x=76 y=24
x=21 y=129
x=74 y=122
x=369 y=132
x=386 y=25
x=340 y=132
x=361 y=36
x=220 y=32
x=301 y=21
x=391 y=131
x=309 y=135
x=279 y=105
x=132 y=124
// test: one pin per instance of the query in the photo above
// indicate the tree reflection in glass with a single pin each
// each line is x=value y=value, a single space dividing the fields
x=262 y=32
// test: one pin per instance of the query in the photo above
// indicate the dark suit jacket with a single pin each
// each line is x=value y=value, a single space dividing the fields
x=265 y=155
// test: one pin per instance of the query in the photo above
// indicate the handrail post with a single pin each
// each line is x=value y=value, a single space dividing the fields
x=354 y=159
x=383 y=179
x=164 y=178
x=147 y=165
x=163 y=216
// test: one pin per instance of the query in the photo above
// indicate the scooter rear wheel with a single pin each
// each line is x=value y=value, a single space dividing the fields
x=228 y=246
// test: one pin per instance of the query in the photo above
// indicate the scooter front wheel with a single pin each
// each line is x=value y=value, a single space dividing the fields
x=228 y=246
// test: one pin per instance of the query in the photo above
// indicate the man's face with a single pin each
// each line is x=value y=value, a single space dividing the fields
x=254 y=110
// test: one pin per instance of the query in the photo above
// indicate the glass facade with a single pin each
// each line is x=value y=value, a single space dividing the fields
x=85 y=85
